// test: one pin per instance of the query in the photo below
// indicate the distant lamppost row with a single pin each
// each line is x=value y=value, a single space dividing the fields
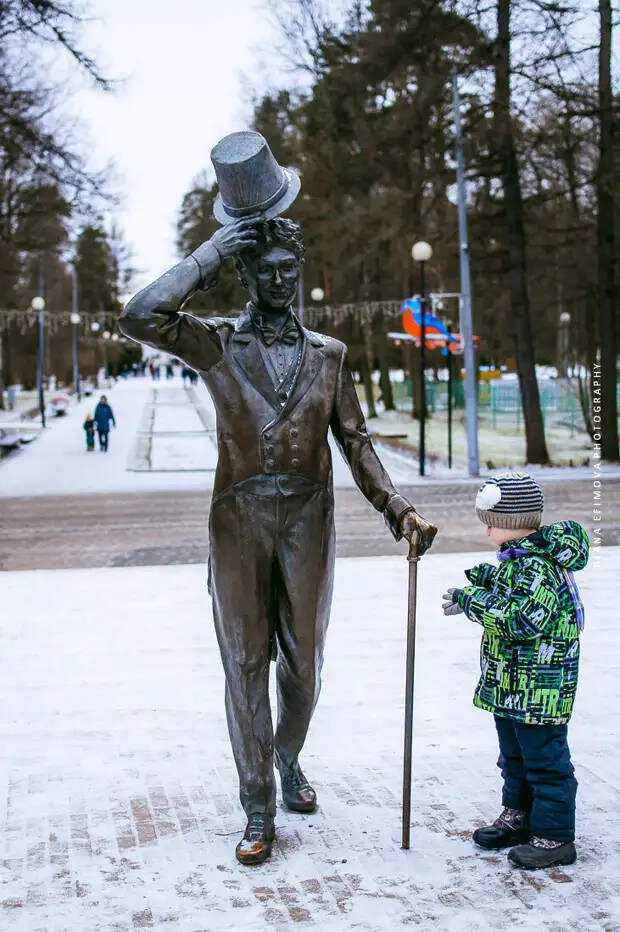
x=422 y=252
x=38 y=305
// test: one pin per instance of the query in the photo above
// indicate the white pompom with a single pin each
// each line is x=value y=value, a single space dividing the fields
x=488 y=496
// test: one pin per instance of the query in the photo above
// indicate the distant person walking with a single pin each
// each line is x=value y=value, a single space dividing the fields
x=89 y=428
x=103 y=417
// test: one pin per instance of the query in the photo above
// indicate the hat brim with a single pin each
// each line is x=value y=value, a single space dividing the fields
x=277 y=208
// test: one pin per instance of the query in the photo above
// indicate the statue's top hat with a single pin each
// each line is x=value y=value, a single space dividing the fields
x=250 y=179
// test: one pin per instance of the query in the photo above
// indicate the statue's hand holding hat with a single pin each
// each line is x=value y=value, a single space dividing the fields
x=250 y=180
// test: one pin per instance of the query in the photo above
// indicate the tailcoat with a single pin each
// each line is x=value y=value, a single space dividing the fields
x=271 y=525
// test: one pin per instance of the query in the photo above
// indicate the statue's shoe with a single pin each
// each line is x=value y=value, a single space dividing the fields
x=297 y=793
x=255 y=846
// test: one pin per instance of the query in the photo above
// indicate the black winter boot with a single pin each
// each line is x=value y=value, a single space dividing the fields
x=297 y=793
x=543 y=852
x=510 y=828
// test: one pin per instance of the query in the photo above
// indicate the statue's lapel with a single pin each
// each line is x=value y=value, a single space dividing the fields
x=248 y=357
x=312 y=358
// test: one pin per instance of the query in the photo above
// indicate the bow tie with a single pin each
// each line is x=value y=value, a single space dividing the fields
x=289 y=334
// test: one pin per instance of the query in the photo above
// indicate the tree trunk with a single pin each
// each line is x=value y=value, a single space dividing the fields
x=607 y=290
x=381 y=343
x=364 y=370
x=536 y=447
x=1 y=374
x=367 y=380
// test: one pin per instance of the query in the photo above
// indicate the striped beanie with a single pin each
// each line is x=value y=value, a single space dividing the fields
x=510 y=500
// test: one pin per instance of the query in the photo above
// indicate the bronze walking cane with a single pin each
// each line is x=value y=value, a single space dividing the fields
x=412 y=558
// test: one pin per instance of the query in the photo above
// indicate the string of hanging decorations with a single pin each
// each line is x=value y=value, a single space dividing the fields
x=93 y=323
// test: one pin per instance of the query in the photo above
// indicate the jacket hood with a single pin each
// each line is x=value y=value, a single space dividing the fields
x=566 y=543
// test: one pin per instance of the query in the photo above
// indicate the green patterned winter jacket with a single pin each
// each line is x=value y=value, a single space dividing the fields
x=531 y=613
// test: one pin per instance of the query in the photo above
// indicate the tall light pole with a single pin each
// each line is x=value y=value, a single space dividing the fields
x=38 y=305
x=422 y=252
x=563 y=344
x=75 y=320
x=466 y=325
x=449 y=361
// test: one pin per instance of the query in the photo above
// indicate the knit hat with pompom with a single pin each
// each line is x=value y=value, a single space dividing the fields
x=510 y=500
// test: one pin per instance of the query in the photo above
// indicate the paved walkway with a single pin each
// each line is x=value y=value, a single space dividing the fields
x=164 y=440
x=119 y=808
x=176 y=433
x=164 y=527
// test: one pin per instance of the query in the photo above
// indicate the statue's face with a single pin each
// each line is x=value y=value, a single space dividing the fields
x=272 y=278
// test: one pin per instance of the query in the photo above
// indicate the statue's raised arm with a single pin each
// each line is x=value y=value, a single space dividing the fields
x=153 y=315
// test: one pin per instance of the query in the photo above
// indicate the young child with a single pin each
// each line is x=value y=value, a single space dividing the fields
x=532 y=616
x=89 y=429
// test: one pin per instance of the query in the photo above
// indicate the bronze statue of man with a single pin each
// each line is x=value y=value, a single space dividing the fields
x=277 y=389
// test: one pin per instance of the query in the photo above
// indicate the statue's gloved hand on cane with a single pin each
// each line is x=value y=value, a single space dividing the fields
x=418 y=531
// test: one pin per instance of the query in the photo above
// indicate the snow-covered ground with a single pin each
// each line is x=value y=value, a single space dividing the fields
x=57 y=462
x=119 y=791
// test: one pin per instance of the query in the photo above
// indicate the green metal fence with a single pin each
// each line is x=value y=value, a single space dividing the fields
x=499 y=402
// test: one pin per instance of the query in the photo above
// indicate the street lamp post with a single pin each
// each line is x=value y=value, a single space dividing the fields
x=466 y=325
x=564 y=342
x=106 y=336
x=422 y=252
x=449 y=329
x=38 y=305
x=75 y=320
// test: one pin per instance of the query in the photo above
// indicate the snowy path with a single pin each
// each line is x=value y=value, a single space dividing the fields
x=57 y=463
x=119 y=793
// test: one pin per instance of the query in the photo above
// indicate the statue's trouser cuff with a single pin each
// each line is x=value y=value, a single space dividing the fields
x=272 y=562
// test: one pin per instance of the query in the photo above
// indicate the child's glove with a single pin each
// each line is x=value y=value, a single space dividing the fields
x=450 y=606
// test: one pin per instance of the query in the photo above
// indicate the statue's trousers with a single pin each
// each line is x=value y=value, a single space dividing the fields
x=271 y=574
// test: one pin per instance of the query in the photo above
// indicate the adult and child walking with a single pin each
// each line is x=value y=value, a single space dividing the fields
x=100 y=422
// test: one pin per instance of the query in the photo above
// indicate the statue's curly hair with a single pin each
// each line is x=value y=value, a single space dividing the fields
x=277 y=232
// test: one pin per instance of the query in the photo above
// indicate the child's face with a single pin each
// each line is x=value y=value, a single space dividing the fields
x=499 y=535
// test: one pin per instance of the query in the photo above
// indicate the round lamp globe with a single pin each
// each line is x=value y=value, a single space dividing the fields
x=421 y=251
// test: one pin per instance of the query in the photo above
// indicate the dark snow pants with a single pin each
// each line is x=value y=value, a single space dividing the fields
x=538 y=776
x=103 y=439
x=271 y=575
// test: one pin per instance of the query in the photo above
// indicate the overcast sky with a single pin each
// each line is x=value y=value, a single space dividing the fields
x=185 y=65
